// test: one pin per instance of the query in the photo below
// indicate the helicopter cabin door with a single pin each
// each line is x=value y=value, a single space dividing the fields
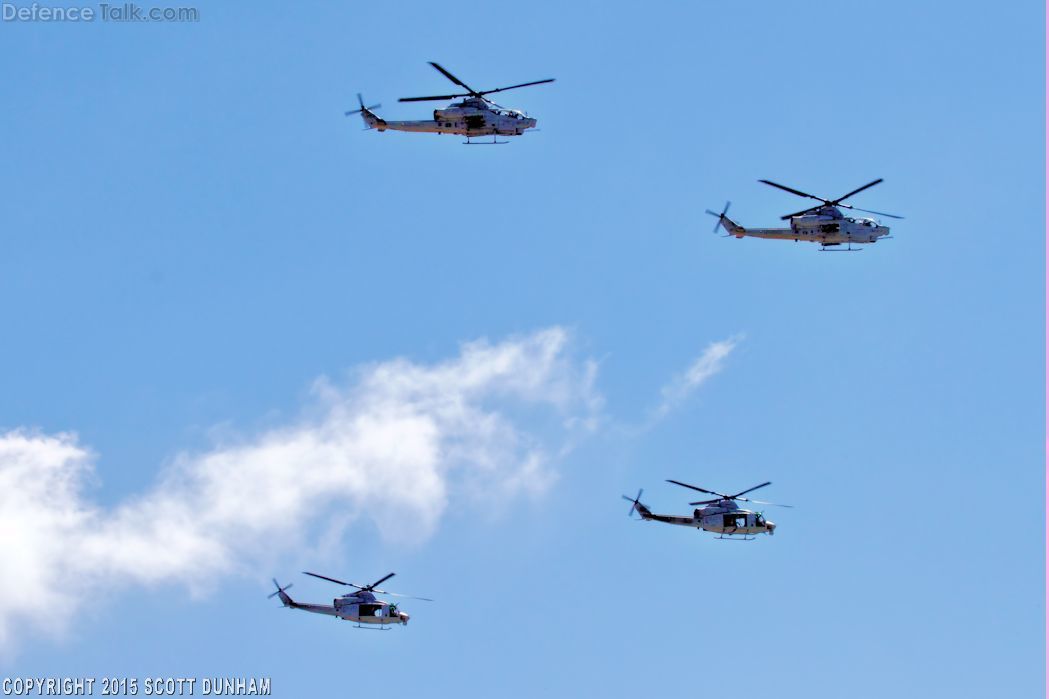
x=733 y=521
x=369 y=610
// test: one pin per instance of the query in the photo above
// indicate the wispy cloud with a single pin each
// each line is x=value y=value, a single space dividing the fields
x=393 y=446
x=708 y=363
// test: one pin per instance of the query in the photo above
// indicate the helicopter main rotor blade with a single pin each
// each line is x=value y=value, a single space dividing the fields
x=695 y=487
x=795 y=191
x=704 y=502
x=868 y=211
x=801 y=213
x=325 y=577
x=380 y=580
x=857 y=191
x=764 y=502
x=744 y=492
x=398 y=594
x=514 y=87
x=454 y=79
x=434 y=98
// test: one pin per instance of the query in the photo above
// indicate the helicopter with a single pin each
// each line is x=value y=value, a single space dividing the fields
x=720 y=516
x=823 y=224
x=471 y=117
x=359 y=606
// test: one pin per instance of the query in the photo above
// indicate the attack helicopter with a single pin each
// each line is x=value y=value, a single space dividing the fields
x=360 y=606
x=823 y=223
x=471 y=117
x=720 y=516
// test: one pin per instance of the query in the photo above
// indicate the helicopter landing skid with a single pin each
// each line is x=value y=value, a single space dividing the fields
x=736 y=537
x=493 y=142
x=848 y=249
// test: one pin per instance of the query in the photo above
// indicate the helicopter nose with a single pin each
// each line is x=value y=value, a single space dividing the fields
x=404 y=618
x=770 y=527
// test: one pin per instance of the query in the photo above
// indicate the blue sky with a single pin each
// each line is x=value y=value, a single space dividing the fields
x=194 y=235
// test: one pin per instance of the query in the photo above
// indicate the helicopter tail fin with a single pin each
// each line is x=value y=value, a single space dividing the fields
x=371 y=120
x=285 y=598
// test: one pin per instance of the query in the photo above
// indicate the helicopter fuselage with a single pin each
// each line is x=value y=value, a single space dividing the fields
x=827 y=227
x=471 y=117
x=724 y=518
x=361 y=608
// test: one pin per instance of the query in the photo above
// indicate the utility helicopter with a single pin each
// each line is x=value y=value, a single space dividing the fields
x=720 y=516
x=823 y=223
x=471 y=117
x=360 y=606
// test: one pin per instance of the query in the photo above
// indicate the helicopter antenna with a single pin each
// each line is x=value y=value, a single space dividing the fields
x=828 y=202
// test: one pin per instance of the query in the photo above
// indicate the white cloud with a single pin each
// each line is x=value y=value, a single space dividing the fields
x=708 y=363
x=394 y=446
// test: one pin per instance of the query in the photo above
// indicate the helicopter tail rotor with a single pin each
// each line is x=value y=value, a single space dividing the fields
x=371 y=121
x=285 y=599
x=635 y=504
x=362 y=108
x=720 y=217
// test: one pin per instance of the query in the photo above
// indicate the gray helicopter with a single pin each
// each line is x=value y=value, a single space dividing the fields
x=823 y=224
x=360 y=606
x=476 y=115
x=720 y=516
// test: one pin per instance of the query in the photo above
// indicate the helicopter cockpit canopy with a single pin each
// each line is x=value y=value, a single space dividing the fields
x=512 y=113
x=868 y=222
